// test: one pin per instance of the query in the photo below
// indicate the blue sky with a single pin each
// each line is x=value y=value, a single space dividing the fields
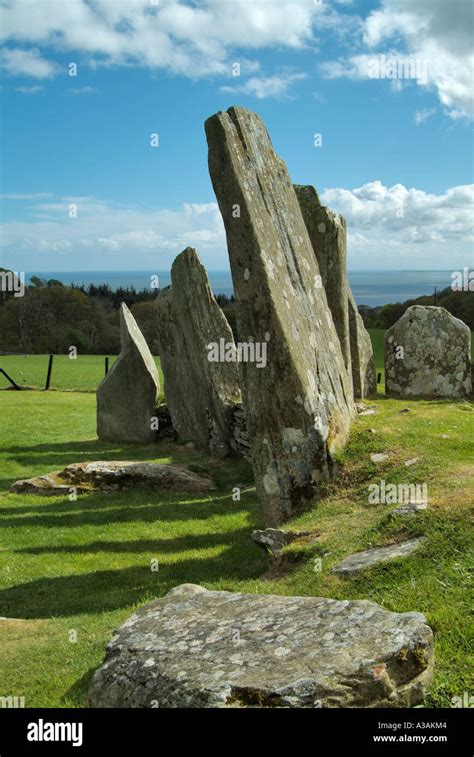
x=395 y=157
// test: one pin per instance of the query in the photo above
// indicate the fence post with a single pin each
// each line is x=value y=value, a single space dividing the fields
x=50 y=368
x=106 y=365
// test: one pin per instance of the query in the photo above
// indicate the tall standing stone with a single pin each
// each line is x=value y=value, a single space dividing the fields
x=362 y=353
x=127 y=397
x=328 y=233
x=200 y=393
x=299 y=406
x=428 y=354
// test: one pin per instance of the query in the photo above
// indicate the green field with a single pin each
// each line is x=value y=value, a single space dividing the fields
x=72 y=571
x=82 y=374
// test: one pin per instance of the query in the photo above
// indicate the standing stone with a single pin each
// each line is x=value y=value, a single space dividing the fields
x=127 y=397
x=200 y=393
x=428 y=354
x=362 y=353
x=299 y=406
x=328 y=233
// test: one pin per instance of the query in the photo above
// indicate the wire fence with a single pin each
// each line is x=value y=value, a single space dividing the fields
x=73 y=373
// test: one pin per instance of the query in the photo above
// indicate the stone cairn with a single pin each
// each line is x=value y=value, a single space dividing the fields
x=428 y=354
x=299 y=407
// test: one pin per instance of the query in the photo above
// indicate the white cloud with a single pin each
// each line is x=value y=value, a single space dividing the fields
x=104 y=234
x=403 y=226
x=194 y=40
x=34 y=90
x=435 y=33
x=423 y=115
x=389 y=227
x=18 y=62
x=262 y=87
x=82 y=90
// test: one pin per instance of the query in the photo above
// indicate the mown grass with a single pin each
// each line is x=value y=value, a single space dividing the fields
x=81 y=374
x=72 y=571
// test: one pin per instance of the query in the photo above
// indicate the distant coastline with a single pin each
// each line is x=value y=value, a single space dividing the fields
x=369 y=287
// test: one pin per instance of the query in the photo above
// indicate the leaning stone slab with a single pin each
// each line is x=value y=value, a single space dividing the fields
x=362 y=354
x=198 y=648
x=428 y=354
x=361 y=560
x=114 y=476
x=299 y=406
x=127 y=396
x=328 y=235
x=200 y=392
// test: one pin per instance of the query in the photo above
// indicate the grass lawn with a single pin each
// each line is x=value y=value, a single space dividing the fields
x=83 y=374
x=72 y=571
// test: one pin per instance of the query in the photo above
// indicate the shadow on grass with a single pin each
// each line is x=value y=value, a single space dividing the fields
x=108 y=590
x=145 y=506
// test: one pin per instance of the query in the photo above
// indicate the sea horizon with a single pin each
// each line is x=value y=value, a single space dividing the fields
x=373 y=287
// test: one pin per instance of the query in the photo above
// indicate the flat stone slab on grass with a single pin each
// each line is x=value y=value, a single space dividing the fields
x=113 y=476
x=360 y=560
x=199 y=648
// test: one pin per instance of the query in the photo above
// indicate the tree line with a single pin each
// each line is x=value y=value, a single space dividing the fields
x=51 y=317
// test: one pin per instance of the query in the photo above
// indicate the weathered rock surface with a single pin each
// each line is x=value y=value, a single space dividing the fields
x=200 y=394
x=127 y=397
x=328 y=234
x=112 y=476
x=428 y=354
x=360 y=560
x=364 y=380
x=198 y=648
x=299 y=406
x=274 y=539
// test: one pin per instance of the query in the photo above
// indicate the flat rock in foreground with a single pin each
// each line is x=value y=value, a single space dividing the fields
x=112 y=476
x=198 y=648
x=360 y=560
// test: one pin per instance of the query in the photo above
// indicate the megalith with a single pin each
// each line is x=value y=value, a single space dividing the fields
x=362 y=353
x=197 y=353
x=127 y=396
x=299 y=405
x=428 y=354
x=328 y=233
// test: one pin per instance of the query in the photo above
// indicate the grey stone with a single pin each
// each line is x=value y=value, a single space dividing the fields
x=299 y=406
x=362 y=354
x=274 y=539
x=328 y=235
x=127 y=397
x=216 y=649
x=370 y=411
x=112 y=476
x=200 y=394
x=428 y=354
x=379 y=457
x=410 y=508
x=361 y=560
